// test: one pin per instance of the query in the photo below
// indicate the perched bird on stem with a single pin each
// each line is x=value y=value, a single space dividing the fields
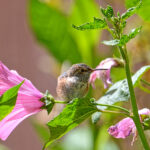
x=74 y=82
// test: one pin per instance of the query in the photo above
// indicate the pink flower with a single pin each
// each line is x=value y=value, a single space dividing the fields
x=28 y=100
x=104 y=75
x=126 y=126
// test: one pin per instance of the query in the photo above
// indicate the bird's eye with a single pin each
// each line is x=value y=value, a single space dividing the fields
x=82 y=70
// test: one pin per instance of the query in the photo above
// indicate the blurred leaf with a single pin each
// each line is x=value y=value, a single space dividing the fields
x=108 y=12
x=118 y=92
x=42 y=131
x=131 y=11
x=72 y=115
x=83 y=11
x=143 y=11
x=124 y=39
x=78 y=139
x=51 y=28
x=96 y=24
x=8 y=100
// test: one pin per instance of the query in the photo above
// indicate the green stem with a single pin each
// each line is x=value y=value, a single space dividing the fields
x=114 y=106
x=136 y=118
x=60 y=102
x=114 y=112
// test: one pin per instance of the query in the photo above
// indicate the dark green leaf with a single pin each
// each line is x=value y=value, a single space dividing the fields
x=72 y=115
x=52 y=29
x=131 y=11
x=8 y=100
x=146 y=124
x=96 y=24
x=143 y=11
x=124 y=39
x=119 y=92
x=108 y=12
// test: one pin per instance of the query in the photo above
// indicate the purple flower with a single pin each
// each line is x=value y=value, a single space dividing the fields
x=126 y=127
x=104 y=75
x=28 y=100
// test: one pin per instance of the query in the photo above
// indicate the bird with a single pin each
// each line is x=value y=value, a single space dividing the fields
x=74 y=82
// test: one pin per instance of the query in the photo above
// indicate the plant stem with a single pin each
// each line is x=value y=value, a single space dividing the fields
x=60 y=102
x=114 y=112
x=113 y=106
x=136 y=118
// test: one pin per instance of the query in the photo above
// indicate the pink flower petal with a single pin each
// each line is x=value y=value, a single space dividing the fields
x=104 y=75
x=126 y=127
x=28 y=100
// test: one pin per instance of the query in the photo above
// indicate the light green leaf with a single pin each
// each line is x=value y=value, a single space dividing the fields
x=8 y=100
x=83 y=11
x=124 y=39
x=131 y=11
x=111 y=42
x=108 y=12
x=52 y=29
x=138 y=75
x=72 y=115
x=96 y=24
x=119 y=92
x=143 y=11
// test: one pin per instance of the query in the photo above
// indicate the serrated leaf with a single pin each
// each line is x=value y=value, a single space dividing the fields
x=71 y=116
x=124 y=39
x=119 y=92
x=131 y=11
x=52 y=29
x=96 y=24
x=143 y=11
x=108 y=12
x=8 y=100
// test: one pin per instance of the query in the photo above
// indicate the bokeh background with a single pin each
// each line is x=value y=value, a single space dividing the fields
x=37 y=40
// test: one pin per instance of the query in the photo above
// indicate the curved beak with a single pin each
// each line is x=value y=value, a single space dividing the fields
x=99 y=69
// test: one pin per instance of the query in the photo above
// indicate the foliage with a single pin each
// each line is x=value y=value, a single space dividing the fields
x=52 y=28
x=143 y=11
x=119 y=92
x=97 y=24
x=72 y=115
x=8 y=100
x=124 y=39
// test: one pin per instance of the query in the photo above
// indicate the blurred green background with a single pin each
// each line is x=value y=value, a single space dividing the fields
x=38 y=40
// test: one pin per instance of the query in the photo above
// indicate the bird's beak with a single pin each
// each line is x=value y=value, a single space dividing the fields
x=99 y=69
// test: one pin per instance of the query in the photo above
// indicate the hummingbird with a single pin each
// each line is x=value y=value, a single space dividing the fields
x=74 y=82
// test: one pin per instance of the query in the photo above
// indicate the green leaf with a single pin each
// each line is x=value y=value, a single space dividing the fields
x=131 y=11
x=72 y=115
x=83 y=11
x=143 y=11
x=52 y=29
x=124 y=39
x=8 y=100
x=138 y=75
x=111 y=42
x=96 y=24
x=108 y=12
x=118 y=92
x=146 y=124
